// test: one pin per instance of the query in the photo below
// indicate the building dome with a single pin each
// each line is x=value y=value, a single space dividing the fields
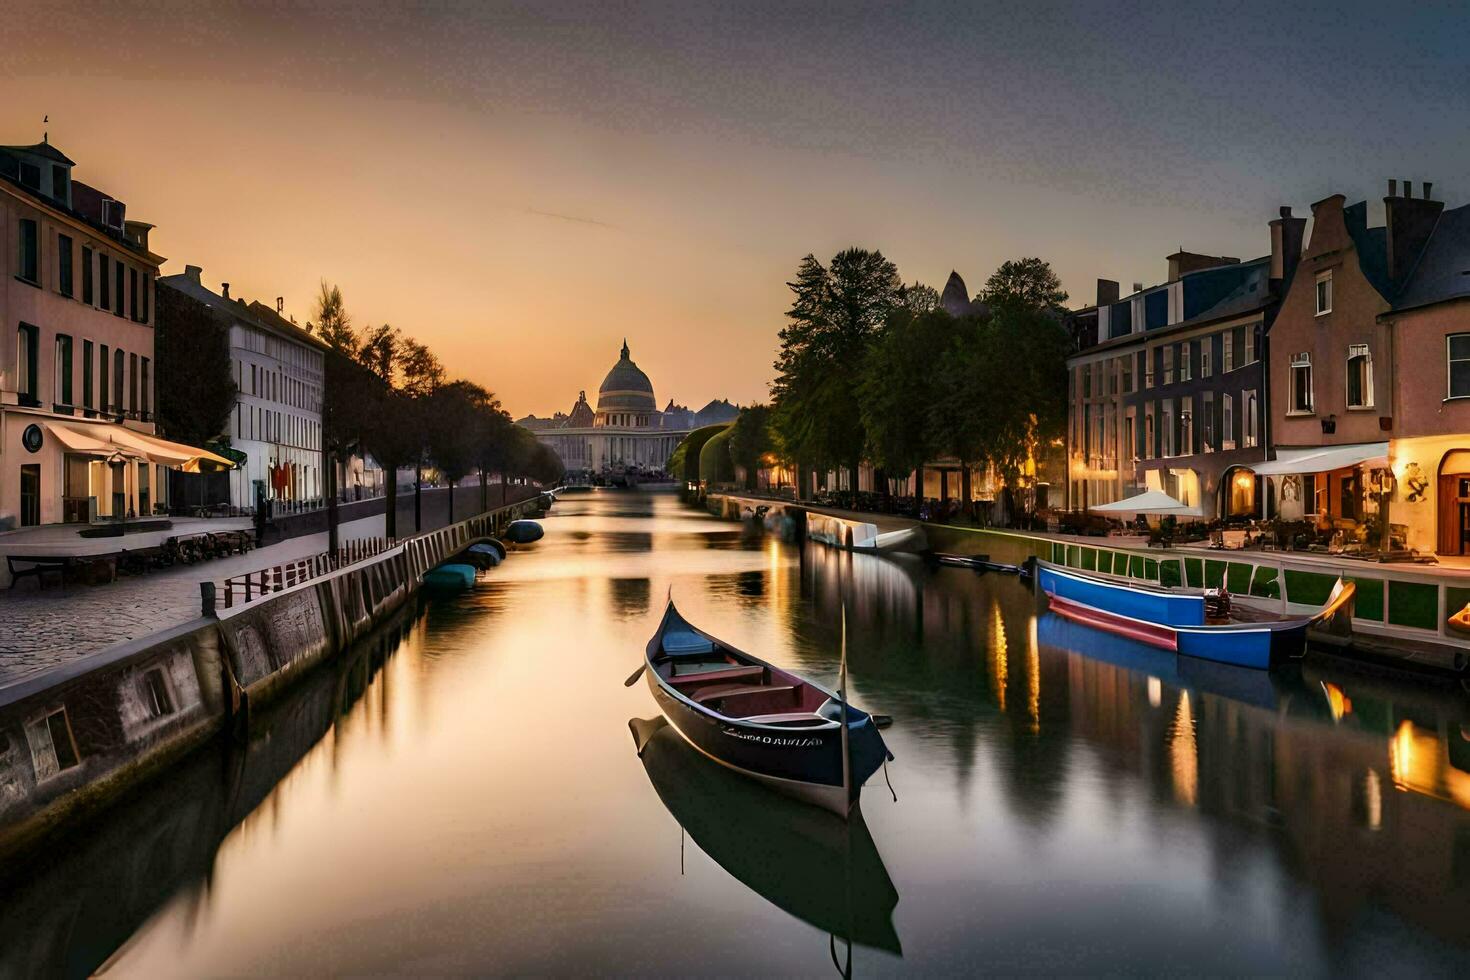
x=626 y=388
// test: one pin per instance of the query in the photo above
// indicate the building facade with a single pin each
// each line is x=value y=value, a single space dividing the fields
x=1168 y=388
x=625 y=434
x=276 y=424
x=76 y=369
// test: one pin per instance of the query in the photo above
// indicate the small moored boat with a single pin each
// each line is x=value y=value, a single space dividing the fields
x=760 y=720
x=1189 y=621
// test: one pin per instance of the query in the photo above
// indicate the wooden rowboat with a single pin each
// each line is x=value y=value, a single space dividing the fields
x=1178 y=620
x=759 y=720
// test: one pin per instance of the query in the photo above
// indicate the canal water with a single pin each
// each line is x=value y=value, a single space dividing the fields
x=463 y=795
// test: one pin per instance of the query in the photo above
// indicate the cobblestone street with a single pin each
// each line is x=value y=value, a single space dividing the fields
x=43 y=628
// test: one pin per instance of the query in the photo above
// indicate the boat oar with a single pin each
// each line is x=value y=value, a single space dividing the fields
x=636 y=674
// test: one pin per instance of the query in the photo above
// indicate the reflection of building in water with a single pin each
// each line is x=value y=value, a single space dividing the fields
x=1371 y=806
x=626 y=432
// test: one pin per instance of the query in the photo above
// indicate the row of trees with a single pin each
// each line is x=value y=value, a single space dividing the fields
x=387 y=395
x=873 y=369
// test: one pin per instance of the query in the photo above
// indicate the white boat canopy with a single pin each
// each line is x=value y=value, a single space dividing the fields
x=1324 y=459
x=1149 y=502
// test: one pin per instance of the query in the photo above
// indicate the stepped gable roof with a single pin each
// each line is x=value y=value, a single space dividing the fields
x=626 y=388
x=1443 y=270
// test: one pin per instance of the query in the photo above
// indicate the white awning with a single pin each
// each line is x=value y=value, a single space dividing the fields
x=1325 y=459
x=107 y=438
x=1149 y=502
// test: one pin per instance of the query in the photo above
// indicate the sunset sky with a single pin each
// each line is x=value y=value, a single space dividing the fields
x=523 y=185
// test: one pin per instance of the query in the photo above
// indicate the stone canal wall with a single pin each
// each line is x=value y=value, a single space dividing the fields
x=1406 y=608
x=75 y=737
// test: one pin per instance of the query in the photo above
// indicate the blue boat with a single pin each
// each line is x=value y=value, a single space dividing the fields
x=1181 y=620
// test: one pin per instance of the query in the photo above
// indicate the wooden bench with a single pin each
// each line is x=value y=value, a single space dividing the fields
x=40 y=566
x=720 y=691
x=726 y=672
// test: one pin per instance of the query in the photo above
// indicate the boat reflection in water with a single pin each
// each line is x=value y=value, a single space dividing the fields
x=810 y=863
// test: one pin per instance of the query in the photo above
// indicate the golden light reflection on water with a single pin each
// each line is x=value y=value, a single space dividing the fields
x=1419 y=761
x=1184 y=753
x=1033 y=677
x=996 y=654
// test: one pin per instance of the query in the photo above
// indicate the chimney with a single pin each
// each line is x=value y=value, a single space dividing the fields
x=191 y=273
x=1287 y=233
x=1107 y=292
x=225 y=289
x=1393 y=187
x=280 y=304
x=1138 y=287
x=1408 y=188
x=1410 y=221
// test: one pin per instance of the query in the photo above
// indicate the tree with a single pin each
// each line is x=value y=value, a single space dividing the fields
x=919 y=298
x=420 y=374
x=333 y=324
x=834 y=312
x=750 y=441
x=1029 y=283
x=195 y=382
x=898 y=384
x=455 y=413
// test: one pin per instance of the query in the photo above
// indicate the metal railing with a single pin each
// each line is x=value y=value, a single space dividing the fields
x=277 y=578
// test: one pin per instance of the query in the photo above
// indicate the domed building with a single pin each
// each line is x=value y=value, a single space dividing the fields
x=625 y=437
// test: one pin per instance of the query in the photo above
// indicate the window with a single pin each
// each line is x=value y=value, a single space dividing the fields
x=1148 y=435
x=104 y=290
x=1130 y=448
x=146 y=284
x=29 y=268
x=53 y=749
x=1359 y=377
x=145 y=388
x=86 y=374
x=28 y=354
x=133 y=294
x=117 y=299
x=86 y=275
x=1301 y=383
x=1185 y=351
x=1250 y=419
x=1207 y=421
x=1250 y=345
x=63 y=264
x=1169 y=364
x=1205 y=347
x=153 y=689
x=1166 y=427
x=59 y=178
x=63 y=369
x=1457 y=350
x=1186 y=426
x=133 y=384
x=1227 y=356
x=1227 y=422
x=1324 y=292
x=118 y=364
x=104 y=391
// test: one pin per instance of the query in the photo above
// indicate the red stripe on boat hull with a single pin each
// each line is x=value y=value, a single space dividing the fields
x=1162 y=637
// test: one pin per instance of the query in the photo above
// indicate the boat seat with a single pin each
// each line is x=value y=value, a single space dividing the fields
x=783 y=717
x=686 y=675
x=734 y=690
x=683 y=643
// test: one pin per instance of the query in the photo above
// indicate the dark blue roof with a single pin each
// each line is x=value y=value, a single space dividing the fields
x=1443 y=270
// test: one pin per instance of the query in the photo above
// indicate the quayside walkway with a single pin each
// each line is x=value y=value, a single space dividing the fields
x=42 y=628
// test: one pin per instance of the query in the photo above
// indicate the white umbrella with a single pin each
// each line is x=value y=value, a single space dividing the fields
x=1149 y=502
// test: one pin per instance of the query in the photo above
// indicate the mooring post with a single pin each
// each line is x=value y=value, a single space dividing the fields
x=206 y=598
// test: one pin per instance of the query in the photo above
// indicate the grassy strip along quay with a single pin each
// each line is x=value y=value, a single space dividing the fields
x=74 y=737
x=1402 y=614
